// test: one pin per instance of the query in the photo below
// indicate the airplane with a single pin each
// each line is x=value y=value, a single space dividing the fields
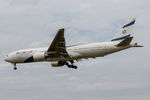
x=59 y=54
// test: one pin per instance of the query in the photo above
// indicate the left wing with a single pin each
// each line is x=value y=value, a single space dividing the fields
x=58 y=46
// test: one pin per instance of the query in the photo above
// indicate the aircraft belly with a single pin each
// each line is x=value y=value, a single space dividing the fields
x=114 y=49
x=58 y=59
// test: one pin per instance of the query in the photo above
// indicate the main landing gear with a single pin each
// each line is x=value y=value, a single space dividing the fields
x=15 y=68
x=71 y=65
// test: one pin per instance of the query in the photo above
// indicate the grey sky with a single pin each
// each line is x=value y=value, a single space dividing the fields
x=34 y=23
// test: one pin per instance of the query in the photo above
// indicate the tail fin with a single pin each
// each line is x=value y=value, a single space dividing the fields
x=125 y=31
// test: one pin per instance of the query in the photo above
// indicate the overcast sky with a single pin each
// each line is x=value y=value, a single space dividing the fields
x=33 y=23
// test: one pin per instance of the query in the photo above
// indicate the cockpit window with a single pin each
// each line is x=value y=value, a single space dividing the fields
x=17 y=53
x=6 y=55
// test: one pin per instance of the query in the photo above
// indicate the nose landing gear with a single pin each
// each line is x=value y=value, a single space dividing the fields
x=15 y=68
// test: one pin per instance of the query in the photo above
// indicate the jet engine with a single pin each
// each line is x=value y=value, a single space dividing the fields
x=57 y=64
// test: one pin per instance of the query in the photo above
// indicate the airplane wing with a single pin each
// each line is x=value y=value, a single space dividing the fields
x=58 y=46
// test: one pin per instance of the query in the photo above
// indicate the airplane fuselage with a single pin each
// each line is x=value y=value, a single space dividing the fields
x=77 y=52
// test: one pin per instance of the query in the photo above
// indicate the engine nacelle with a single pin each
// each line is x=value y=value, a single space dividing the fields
x=57 y=64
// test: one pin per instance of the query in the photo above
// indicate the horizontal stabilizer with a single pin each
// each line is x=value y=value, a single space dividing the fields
x=125 y=42
x=136 y=45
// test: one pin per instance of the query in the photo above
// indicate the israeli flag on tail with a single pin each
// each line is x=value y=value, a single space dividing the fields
x=125 y=31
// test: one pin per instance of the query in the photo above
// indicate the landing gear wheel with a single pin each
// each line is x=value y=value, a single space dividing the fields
x=72 y=66
x=75 y=67
x=15 y=68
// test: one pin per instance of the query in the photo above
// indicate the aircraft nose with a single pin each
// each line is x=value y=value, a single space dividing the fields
x=7 y=59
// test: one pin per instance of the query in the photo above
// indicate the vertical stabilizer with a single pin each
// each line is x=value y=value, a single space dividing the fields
x=125 y=31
